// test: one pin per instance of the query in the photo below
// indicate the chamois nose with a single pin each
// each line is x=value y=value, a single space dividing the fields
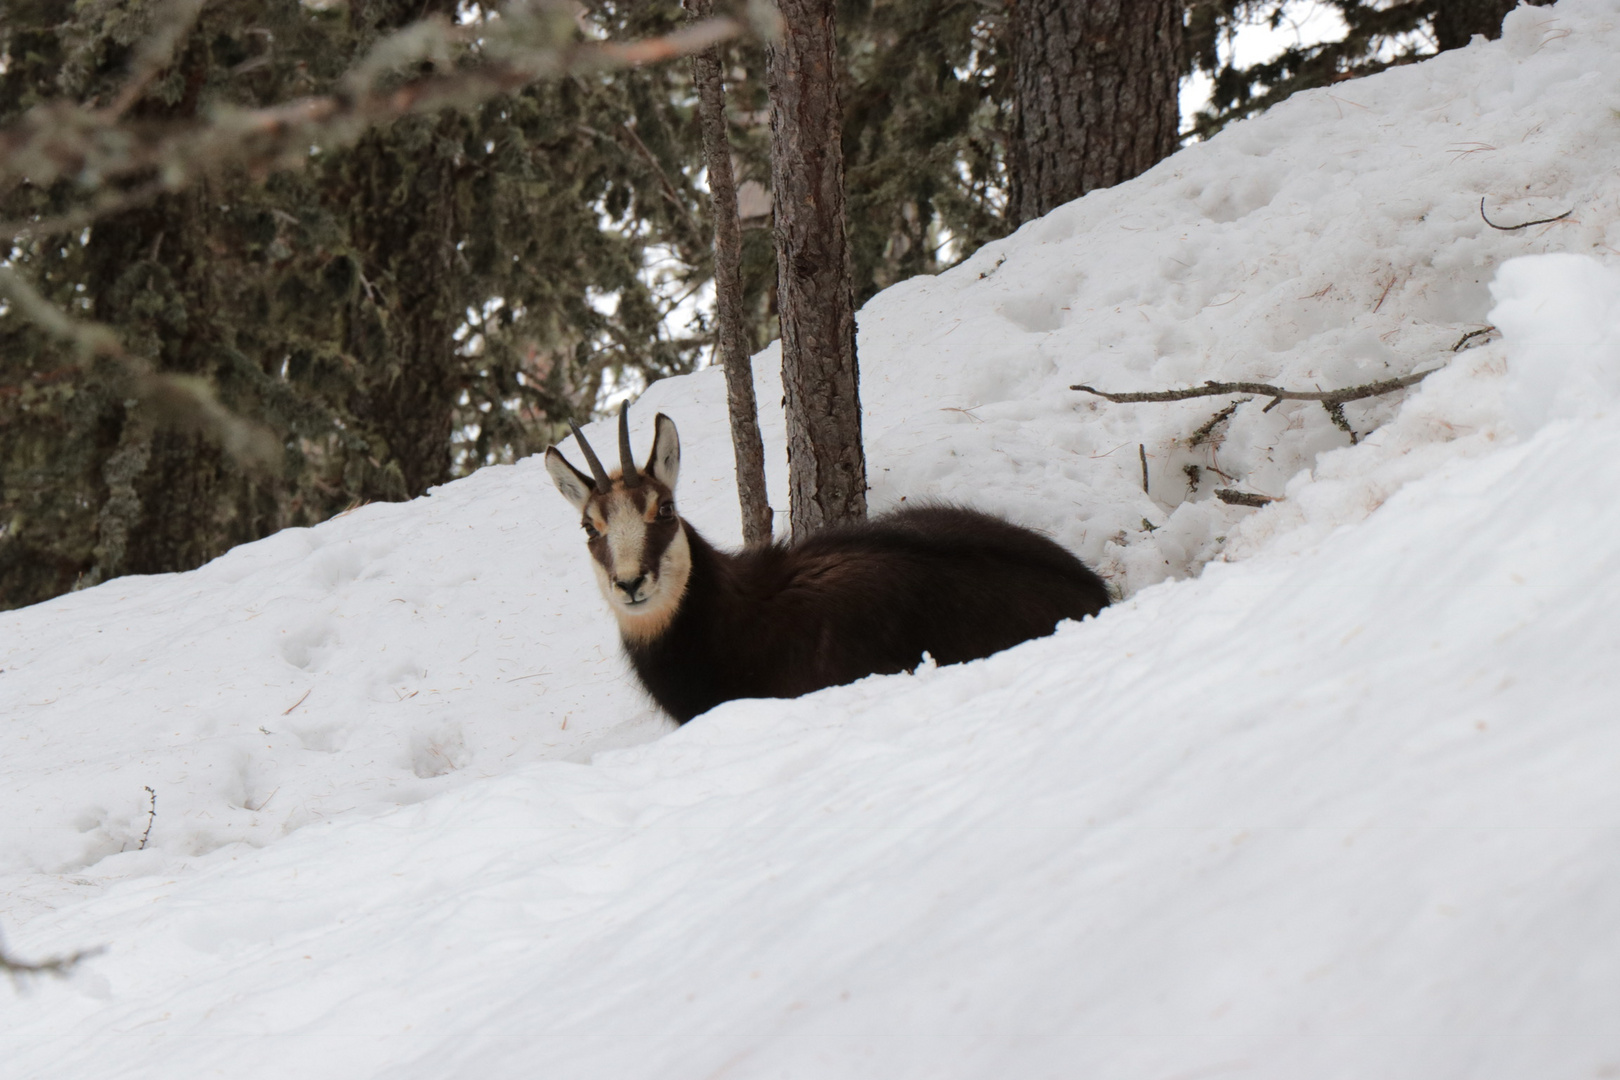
x=630 y=588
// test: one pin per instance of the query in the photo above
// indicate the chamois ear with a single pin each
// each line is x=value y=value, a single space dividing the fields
x=664 y=464
x=574 y=485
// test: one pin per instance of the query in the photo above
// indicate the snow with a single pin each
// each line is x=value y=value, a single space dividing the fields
x=1329 y=793
x=1563 y=314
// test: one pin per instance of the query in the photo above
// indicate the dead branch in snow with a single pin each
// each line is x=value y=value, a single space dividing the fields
x=1471 y=335
x=151 y=819
x=1242 y=498
x=1521 y=225
x=1332 y=400
x=1207 y=432
x=1328 y=398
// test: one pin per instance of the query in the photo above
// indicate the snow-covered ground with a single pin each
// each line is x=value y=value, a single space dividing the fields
x=1333 y=793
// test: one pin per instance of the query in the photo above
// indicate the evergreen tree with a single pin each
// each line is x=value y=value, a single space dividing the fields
x=451 y=287
x=1377 y=36
x=447 y=291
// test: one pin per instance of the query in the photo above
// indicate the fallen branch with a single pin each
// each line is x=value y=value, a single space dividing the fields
x=1331 y=400
x=1276 y=393
x=1523 y=225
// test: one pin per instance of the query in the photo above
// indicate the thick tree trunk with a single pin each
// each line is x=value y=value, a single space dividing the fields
x=820 y=378
x=1457 y=21
x=404 y=224
x=173 y=498
x=405 y=228
x=735 y=351
x=1094 y=96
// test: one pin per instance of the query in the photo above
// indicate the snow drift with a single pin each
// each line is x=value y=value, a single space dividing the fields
x=1329 y=794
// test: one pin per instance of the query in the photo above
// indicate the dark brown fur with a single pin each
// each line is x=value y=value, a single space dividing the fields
x=858 y=600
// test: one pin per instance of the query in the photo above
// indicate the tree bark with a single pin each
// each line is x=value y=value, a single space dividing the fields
x=1457 y=21
x=820 y=377
x=1094 y=96
x=405 y=229
x=734 y=347
x=402 y=190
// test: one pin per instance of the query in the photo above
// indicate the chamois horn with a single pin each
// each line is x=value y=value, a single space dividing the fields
x=603 y=484
x=627 y=461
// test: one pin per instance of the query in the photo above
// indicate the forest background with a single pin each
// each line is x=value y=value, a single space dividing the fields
x=196 y=353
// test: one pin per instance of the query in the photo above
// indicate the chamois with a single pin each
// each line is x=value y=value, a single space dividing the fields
x=702 y=626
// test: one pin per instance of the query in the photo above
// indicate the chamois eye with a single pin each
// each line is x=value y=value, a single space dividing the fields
x=666 y=509
x=590 y=530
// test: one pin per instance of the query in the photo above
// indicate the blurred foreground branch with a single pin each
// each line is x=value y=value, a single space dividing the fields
x=109 y=154
x=59 y=966
x=97 y=147
x=184 y=401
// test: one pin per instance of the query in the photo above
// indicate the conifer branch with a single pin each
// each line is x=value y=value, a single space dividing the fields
x=183 y=399
x=62 y=140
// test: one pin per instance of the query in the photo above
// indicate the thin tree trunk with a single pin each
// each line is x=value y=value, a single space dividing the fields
x=735 y=350
x=1457 y=21
x=820 y=377
x=1094 y=96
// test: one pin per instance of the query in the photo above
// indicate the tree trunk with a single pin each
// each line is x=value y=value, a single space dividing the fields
x=173 y=498
x=402 y=195
x=1094 y=87
x=1457 y=21
x=735 y=351
x=404 y=226
x=820 y=378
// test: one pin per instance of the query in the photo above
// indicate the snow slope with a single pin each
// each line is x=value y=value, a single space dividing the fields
x=1339 y=802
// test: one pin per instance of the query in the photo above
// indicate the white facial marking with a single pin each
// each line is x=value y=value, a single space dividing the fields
x=622 y=517
x=626 y=538
x=644 y=612
x=663 y=592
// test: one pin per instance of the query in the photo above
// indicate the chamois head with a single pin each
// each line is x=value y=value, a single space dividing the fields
x=638 y=547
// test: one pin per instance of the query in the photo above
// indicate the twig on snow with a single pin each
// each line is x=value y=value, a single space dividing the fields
x=1207 y=432
x=1471 y=335
x=1522 y=225
x=151 y=819
x=1242 y=498
x=1141 y=451
x=1336 y=411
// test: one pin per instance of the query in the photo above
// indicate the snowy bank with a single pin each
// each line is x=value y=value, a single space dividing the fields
x=1330 y=793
